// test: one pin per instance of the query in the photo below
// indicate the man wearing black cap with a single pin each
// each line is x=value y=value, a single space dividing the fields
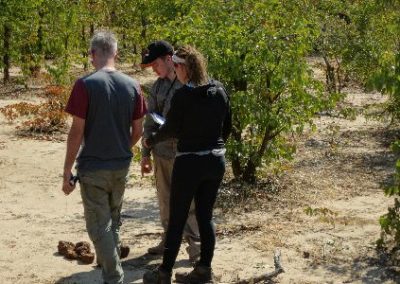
x=159 y=57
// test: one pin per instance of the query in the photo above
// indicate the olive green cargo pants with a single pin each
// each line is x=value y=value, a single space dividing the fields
x=102 y=193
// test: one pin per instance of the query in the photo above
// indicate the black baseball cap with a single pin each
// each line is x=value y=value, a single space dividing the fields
x=155 y=50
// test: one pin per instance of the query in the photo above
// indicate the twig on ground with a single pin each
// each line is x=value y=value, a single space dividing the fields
x=150 y=234
x=223 y=232
x=267 y=276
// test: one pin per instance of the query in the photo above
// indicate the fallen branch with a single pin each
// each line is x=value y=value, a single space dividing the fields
x=223 y=232
x=268 y=276
x=150 y=234
x=229 y=231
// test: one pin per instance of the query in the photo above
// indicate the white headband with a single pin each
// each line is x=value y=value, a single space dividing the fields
x=177 y=59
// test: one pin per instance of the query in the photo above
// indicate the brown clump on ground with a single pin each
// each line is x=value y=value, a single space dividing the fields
x=71 y=254
x=82 y=247
x=87 y=258
x=80 y=250
x=64 y=246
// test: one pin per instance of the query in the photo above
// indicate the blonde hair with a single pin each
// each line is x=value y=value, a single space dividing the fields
x=195 y=63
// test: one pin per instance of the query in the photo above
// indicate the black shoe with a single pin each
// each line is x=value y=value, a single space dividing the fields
x=199 y=275
x=157 y=276
x=124 y=251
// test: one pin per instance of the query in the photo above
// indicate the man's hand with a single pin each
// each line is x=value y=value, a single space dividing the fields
x=145 y=144
x=74 y=141
x=146 y=166
x=68 y=185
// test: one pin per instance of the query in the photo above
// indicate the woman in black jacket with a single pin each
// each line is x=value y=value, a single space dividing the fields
x=200 y=118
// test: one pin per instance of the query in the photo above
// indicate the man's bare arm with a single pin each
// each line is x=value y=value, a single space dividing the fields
x=75 y=137
x=137 y=130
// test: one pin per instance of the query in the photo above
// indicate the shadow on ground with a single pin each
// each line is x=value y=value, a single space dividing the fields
x=365 y=269
x=134 y=268
x=142 y=212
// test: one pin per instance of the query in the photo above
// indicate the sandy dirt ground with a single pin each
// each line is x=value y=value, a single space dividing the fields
x=342 y=167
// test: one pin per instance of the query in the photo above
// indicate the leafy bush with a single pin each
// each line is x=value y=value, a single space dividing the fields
x=259 y=54
x=390 y=222
x=379 y=63
x=45 y=118
x=58 y=72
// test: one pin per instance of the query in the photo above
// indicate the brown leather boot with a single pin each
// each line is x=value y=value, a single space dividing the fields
x=157 y=276
x=124 y=252
x=158 y=249
x=199 y=275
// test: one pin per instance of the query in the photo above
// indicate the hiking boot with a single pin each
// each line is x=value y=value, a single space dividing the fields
x=194 y=253
x=124 y=252
x=157 y=276
x=158 y=249
x=199 y=275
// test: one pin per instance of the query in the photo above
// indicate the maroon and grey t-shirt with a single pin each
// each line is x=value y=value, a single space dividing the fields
x=108 y=101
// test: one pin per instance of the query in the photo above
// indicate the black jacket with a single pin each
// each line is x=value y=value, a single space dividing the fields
x=199 y=117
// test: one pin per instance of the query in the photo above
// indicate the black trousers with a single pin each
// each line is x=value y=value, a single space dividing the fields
x=197 y=177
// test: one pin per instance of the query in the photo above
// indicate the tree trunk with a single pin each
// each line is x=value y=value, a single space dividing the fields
x=6 y=56
x=255 y=159
x=237 y=167
x=249 y=174
x=124 y=45
x=144 y=27
x=340 y=83
x=330 y=76
x=36 y=61
x=91 y=29
x=66 y=43
x=84 y=52
x=40 y=33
